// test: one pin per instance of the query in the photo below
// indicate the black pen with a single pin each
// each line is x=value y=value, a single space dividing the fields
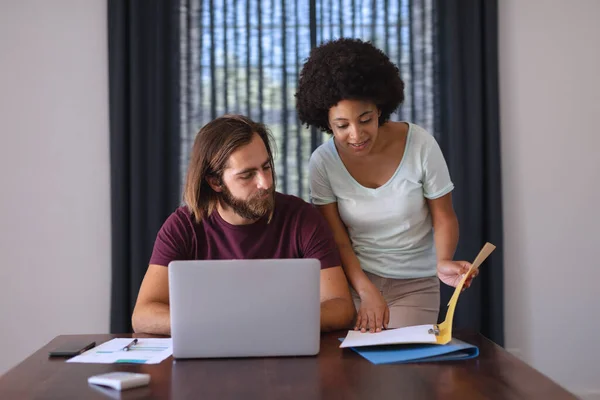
x=128 y=347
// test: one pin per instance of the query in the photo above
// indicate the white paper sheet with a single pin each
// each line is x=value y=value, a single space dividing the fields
x=409 y=334
x=145 y=351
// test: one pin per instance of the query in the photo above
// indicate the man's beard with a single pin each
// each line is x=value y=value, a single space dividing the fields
x=255 y=207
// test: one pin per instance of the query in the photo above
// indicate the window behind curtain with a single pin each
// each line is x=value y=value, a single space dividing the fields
x=245 y=56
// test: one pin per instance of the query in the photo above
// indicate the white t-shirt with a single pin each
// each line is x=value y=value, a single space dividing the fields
x=390 y=227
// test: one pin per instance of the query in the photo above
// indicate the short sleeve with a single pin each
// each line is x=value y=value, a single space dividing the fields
x=320 y=188
x=173 y=241
x=436 y=177
x=316 y=238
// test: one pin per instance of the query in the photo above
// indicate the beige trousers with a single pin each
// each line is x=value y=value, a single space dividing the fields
x=411 y=301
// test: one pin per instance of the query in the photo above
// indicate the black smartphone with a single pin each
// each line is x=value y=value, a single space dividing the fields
x=71 y=348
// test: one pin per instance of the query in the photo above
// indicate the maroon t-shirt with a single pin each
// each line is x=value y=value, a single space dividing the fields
x=297 y=230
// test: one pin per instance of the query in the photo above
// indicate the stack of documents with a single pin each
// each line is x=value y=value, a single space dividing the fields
x=410 y=344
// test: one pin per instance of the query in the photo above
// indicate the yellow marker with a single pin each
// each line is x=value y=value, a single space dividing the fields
x=445 y=328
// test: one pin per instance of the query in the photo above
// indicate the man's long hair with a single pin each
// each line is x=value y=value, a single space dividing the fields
x=214 y=143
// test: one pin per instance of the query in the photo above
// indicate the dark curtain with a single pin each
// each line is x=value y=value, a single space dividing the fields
x=468 y=130
x=144 y=139
x=244 y=56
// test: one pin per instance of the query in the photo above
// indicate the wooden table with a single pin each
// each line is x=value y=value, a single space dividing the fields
x=334 y=374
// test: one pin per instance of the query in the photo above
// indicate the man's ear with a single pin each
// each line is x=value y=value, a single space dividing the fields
x=215 y=183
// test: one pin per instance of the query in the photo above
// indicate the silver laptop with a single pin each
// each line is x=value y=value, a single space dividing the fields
x=244 y=308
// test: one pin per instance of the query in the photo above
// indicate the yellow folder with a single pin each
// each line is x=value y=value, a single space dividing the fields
x=443 y=331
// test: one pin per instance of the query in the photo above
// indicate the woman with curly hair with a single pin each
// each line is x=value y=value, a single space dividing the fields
x=383 y=186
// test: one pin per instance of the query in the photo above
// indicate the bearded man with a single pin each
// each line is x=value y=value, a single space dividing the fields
x=232 y=211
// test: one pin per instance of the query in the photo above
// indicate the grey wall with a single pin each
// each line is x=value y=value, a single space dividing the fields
x=54 y=173
x=550 y=104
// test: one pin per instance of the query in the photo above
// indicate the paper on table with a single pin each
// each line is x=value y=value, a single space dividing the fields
x=409 y=334
x=145 y=351
x=399 y=336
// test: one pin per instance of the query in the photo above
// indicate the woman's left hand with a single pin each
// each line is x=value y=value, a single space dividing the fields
x=451 y=272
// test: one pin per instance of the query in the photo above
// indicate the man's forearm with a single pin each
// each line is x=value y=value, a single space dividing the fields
x=152 y=318
x=337 y=314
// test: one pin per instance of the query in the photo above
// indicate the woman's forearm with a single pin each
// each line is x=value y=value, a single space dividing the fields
x=355 y=274
x=446 y=237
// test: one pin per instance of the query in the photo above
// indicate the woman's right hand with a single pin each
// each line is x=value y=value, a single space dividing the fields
x=373 y=313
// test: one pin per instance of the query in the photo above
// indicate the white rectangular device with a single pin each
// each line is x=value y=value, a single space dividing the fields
x=120 y=380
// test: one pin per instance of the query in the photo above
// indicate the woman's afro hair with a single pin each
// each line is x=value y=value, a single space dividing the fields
x=346 y=69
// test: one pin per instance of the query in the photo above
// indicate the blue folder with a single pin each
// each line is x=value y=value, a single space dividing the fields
x=407 y=353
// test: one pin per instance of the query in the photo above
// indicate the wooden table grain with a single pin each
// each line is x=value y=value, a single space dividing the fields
x=334 y=374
